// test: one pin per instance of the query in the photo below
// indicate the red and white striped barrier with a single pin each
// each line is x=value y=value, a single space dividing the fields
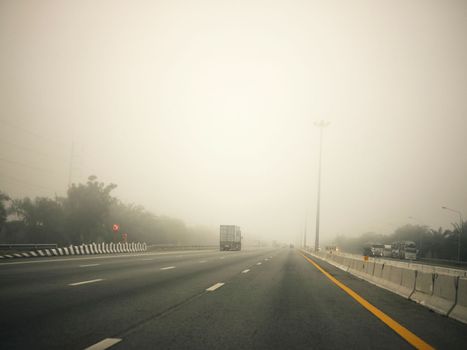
x=83 y=249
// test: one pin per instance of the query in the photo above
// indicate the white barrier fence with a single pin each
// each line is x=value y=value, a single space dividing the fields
x=443 y=293
x=83 y=249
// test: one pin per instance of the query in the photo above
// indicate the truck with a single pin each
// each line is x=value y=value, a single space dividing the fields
x=373 y=249
x=230 y=237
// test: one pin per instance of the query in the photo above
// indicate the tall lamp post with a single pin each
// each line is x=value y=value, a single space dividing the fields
x=321 y=125
x=461 y=229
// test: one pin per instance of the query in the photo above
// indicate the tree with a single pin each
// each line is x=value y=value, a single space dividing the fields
x=3 y=212
x=42 y=219
x=87 y=207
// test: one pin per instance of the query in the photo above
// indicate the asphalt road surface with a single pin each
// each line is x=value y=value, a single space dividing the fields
x=253 y=299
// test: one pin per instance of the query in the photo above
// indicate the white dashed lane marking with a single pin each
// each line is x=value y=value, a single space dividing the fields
x=85 y=282
x=258 y=263
x=202 y=261
x=104 y=344
x=246 y=271
x=167 y=268
x=214 y=287
x=89 y=265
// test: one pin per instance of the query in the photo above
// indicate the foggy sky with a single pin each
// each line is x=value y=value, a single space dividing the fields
x=204 y=110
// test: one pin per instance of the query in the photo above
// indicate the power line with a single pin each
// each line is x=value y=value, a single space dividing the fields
x=22 y=147
x=21 y=164
x=24 y=130
x=21 y=182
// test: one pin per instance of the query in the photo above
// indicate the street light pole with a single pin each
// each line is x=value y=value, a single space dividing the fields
x=461 y=229
x=321 y=125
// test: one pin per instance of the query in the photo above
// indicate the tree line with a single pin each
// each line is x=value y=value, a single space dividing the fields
x=431 y=243
x=87 y=214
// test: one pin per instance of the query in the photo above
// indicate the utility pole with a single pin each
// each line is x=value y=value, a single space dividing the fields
x=461 y=229
x=321 y=125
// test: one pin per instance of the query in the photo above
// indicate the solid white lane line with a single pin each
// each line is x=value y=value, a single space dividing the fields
x=167 y=268
x=85 y=282
x=214 y=287
x=104 y=344
x=258 y=263
x=89 y=265
x=246 y=271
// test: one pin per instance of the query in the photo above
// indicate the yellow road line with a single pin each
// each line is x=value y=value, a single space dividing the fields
x=411 y=338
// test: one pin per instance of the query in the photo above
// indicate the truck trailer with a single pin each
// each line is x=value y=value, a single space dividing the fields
x=230 y=237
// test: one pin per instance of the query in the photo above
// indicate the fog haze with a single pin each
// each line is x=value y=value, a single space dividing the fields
x=205 y=110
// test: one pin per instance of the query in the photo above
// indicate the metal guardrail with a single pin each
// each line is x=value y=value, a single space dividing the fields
x=27 y=246
x=180 y=247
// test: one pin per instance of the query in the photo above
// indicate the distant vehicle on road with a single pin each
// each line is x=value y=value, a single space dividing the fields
x=387 y=251
x=373 y=249
x=230 y=237
x=404 y=250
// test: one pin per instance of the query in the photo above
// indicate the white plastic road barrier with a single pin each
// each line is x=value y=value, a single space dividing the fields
x=459 y=312
x=444 y=294
x=423 y=287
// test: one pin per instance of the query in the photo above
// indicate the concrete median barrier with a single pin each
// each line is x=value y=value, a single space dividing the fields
x=459 y=312
x=423 y=288
x=444 y=293
x=369 y=268
x=407 y=285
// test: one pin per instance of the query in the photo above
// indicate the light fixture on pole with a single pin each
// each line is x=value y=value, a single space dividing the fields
x=321 y=125
x=461 y=229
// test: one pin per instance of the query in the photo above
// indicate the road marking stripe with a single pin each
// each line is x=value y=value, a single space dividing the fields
x=167 y=268
x=202 y=261
x=410 y=337
x=147 y=259
x=214 y=287
x=104 y=344
x=258 y=263
x=89 y=265
x=246 y=271
x=85 y=282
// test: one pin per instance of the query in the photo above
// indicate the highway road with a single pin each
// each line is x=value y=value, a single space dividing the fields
x=253 y=299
